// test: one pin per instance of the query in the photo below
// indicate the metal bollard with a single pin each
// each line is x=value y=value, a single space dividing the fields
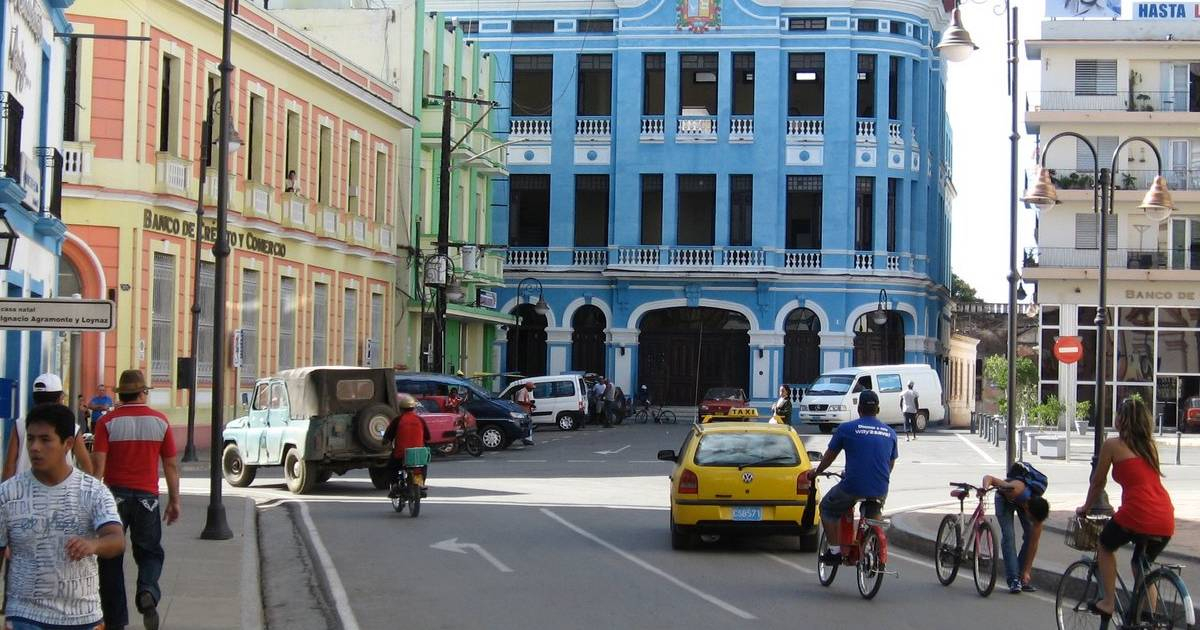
x=1178 y=445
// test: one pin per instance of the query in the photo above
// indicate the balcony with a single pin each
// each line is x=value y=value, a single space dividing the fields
x=696 y=129
x=1069 y=101
x=864 y=261
x=593 y=257
x=358 y=232
x=526 y=257
x=328 y=224
x=258 y=199
x=172 y=175
x=77 y=162
x=864 y=131
x=741 y=129
x=530 y=127
x=294 y=211
x=652 y=129
x=593 y=129
x=805 y=129
x=383 y=240
x=664 y=258
x=50 y=166
x=1118 y=258
x=895 y=137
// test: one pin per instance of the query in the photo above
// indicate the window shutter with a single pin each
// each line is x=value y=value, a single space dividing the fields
x=1105 y=147
x=1087 y=231
x=1095 y=77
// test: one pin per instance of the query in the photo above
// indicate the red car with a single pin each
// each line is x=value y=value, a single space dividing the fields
x=1191 y=414
x=719 y=400
x=444 y=419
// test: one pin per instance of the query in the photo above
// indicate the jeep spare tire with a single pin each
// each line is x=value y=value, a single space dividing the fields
x=370 y=423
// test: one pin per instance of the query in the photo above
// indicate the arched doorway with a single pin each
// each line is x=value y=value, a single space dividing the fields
x=527 y=342
x=801 y=347
x=684 y=351
x=587 y=339
x=876 y=344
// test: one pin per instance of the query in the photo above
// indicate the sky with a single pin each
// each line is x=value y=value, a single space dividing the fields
x=979 y=109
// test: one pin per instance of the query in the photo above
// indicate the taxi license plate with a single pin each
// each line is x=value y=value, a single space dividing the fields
x=747 y=513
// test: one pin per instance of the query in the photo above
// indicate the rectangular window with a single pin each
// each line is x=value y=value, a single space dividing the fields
x=469 y=27
x=250 y=317
x=917 y=35
x=743 y=84
x=594 y=26
x=353 y=177
x=806 y=24
x=168 y=105
x=162 y=318
x=741 y=209
x=381 y=182
x=696 y=209
x=654 y=87
x=864 y=214
x=71 y=92
x=893 y=190
x=291 y=150
x=350 y=327
x=698 y=84
x=532 y=83
x=652 y=208
x=806 y=84
x=255 y=147
x=320 y=324
x=866 y=86
x=376 y=330
x=896 y=28
x=868 y=25
x=1095 y=77
x=287 y=323
x=529 y=210
x=804 y=202
x=204 y=340
x=894 y=87
x=595 y=85
x=591 y=210
x=533 y=26
x=1087 y=231
x=324 y=165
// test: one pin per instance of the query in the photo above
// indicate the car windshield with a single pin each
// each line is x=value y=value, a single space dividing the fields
x=740 y=449
x=834 y=385
x=476 y=391
x=430 y=406
x=723 y=393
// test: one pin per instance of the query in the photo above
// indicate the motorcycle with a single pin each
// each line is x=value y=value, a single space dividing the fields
x=466 y=437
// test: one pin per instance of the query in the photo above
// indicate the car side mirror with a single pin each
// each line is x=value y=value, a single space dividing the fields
x=245 y=400
x=667 y=455
x=815 y=456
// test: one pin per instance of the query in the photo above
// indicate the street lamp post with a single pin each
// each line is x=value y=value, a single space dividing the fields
x=540 y=307
x=1156 y=204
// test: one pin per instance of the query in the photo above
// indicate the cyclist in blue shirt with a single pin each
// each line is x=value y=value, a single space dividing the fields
x=871 y=454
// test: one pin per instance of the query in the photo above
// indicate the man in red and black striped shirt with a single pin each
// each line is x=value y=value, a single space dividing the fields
x=130 y=442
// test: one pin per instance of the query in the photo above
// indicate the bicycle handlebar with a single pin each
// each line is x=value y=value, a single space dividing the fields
x=830 y=474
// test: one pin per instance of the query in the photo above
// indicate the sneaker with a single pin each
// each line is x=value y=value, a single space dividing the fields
x=527 y=442
x=1014 y=586
x=149 y=609
x=1026 y=587
x=831 y=559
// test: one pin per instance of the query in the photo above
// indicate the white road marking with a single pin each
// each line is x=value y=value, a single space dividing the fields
x=929 y=565
x=340 y=600
x=525 y=461
x=585 y=461
x=607 y=452
x=789 y=563
x=975 y=448
x=452 y=544
x=645 y=461
x=719 y=603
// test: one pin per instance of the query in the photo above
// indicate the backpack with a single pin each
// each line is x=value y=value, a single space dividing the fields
x=1034 y=479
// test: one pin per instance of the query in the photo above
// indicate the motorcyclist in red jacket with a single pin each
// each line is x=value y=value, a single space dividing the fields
x=408 y=430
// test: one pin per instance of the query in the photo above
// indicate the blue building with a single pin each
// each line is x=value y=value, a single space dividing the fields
x=32 y=83
x=715 y=192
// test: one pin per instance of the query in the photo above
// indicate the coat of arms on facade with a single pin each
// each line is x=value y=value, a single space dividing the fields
x=698 y=15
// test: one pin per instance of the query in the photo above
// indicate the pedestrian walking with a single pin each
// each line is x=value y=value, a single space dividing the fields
x=47 y=388
x=55 y=521
x=130 y=441
x=782 y=407
x=524 y=398
x=1019 y=494
x=610 y=403
x=909 y=404
x=100 y=404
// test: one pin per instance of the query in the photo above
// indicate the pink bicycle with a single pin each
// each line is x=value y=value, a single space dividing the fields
x=950 y=549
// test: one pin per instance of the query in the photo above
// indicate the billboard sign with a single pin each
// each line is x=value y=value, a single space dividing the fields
x=56 y=314
x=1165 y=11
x=1107 y=9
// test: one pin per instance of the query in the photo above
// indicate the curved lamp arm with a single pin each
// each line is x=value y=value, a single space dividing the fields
x=1095 y=161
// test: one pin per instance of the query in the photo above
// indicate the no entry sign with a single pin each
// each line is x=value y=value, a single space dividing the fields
x=1068 y=349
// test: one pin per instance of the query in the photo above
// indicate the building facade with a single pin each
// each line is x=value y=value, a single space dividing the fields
x=314 y=197
x=1111 y=80
x=715 y=192
x=30 y=163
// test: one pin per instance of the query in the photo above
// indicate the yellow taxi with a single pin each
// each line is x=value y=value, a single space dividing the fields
x=736 y=414
x=741 y=478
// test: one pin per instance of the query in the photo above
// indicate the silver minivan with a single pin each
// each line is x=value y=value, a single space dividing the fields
x=558 y=400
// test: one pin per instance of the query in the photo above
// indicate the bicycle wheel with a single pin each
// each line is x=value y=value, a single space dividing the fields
x=984 y=552
x=1164 y=603
x=870 y=565
x=641 y=417
x=667 y=417
x=1079 y=585
x=947 y=550
x=825 y=572
x=414 y=500
x=397 y=497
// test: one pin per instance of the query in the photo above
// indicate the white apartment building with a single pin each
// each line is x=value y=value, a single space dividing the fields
x=1110 y=80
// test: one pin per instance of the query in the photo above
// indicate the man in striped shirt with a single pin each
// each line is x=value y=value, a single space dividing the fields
x=130 y=441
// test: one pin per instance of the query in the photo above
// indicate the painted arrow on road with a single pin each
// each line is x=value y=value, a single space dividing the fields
x=452 y=544
x=612 y=452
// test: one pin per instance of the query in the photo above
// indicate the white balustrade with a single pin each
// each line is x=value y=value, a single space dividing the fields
x=693 y=128
x=530 y=127
x=593 y=127
x=590 y=257
x=744 y=258
x=806 y=128
x=864 y=261
x=741 y=127
x=893 y=262
x=894 y=136
x=865 y=130
x=638 y=256
x=527 y=257
x=690 y=257
x=802 y=260
x=652 y=127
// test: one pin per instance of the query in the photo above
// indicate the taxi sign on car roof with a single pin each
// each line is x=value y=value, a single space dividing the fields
x=733 y=415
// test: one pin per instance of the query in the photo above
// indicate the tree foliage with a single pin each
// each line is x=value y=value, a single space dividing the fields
x=962 y=292
x=995 y=370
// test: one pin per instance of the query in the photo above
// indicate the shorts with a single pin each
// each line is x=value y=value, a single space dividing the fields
x=837 y=502
x=1113 y=537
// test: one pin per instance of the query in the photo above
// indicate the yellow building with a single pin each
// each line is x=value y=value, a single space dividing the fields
x=314 y=204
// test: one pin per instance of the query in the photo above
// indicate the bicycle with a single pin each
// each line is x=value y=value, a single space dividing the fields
x=950 y=549
x=405 y=489
x=645 y=413
x=868 y=552
x=1159 y=599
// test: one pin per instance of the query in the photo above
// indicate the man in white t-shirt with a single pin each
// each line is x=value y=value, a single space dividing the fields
x=55 y=520
x=909 y=403
x=47 y=388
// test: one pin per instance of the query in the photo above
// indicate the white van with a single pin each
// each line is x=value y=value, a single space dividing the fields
x=558 y=400
x=833 y=398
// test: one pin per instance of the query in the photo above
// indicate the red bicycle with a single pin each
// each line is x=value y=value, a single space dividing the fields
x=950 y=548
x=868 y=552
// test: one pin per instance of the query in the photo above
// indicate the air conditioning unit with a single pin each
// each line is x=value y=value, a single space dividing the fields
x=470 y=258
x=353 y=191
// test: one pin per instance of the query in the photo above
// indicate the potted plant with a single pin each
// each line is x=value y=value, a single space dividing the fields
x=1083 y=415
x=1144 y=103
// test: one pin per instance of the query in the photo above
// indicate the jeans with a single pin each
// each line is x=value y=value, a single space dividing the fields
x=141 y=516
x=1013 y=561
x=16 y=623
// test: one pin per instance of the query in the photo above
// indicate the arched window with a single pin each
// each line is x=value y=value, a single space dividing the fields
x=876 y=344
x=801 y=347
x=587 y=340
x=527 y=342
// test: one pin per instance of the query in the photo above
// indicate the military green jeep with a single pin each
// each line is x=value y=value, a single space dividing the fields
x=314 y=422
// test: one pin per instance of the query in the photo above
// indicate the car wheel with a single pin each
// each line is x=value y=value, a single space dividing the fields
x=565 y=422
x=826 y=428
x=370 y=424
x=493 y=438
x=235 y=469
x=380 y=477
x=810 y=541
x=301 y=475
x=681 y=539
x=922 y=421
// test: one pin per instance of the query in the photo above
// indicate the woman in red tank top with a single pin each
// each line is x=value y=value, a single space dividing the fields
x=1146 y=515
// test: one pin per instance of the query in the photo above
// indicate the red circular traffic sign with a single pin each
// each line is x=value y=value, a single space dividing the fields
x=1068 y=349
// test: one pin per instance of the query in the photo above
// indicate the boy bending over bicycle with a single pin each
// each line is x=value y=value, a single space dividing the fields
x=1019 y=494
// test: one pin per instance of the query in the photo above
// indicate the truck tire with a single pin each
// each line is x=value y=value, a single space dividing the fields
x=370 y=423
x=235 y=470
x=381 y=477
x=301 y=474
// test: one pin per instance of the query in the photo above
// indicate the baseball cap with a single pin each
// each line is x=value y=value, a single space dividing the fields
x=47 y=383
x=868 y=397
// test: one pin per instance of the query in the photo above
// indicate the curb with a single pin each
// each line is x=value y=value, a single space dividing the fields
x=328 y=601
x=252 y=594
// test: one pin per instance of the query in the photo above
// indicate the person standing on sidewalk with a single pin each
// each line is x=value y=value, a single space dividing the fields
x=524 y=398
x=909 y=404
x=54 y=521
x=1019 y=494
x=610 y=403
x=100 y=404
x=129 y=444
x=598 y=394
x=782 y=408
x=47 y=388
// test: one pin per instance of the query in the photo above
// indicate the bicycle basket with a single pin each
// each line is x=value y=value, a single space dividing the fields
x=1083 y=533
x=416 y=456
